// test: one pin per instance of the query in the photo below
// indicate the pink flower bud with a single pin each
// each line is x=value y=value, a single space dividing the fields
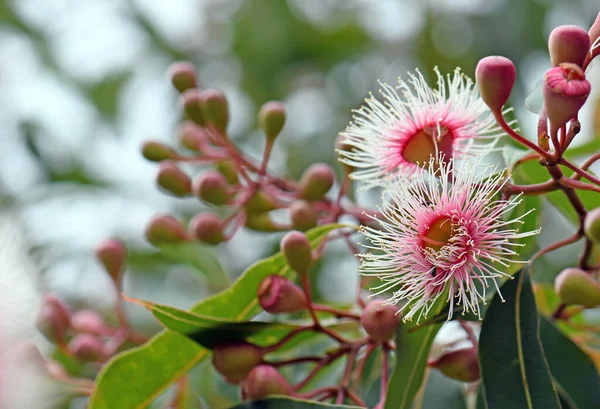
x=235 y=359
x=208 y=228
x=591 y=225
x=165 y=229
x=228 y=169
x=595 y=37
x=316 y=181
x=271 y=118
x=88 y=321
x=156 y=151
x=211 y=187
x=262 y=222
x=495 y=77
x=192 y=106
x=183 y=75
x=575 y=286
x=296 y=250
x=112 y=254
x=303 y=215
x=173 y=180
x=565 y=92
x=460 y=364
x=568 y=44
x=215 y=108
x=86 y=347
x=380 y=320
x=264 y=381
x=193 y=137
x=278 y=295
x=53 y=319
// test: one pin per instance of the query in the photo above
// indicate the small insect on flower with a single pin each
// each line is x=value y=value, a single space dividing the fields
x=414 y=123
x=442 y=232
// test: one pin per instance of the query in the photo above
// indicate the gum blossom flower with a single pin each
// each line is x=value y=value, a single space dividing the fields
x=414 y=123
x=440 y=237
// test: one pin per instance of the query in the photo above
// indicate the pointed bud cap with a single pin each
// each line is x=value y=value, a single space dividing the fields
x=211 y=187
x=271 y=118
x=264 y=381
x=86 y=347
x=112 y=254
x=262 y=222
x=380 y=320
x=193 y=137
x=568 y=44
x=53 y=319
x=173 y=180
x=90 y=322
x=235 y=359
x=316 y=181
x=591 y=226
x=183 y=75
x=215 y=108
x=460 y=364
x=575 y=286
x=495 y=76
x=565 y=92
x=303 y=215
x=192 y=106
x=278 y=295
x=156 y=151
x=228 y=169
x=296 y=250
x=165 y=229
x=208 y=228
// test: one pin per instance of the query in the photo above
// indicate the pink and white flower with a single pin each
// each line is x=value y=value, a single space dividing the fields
x=413 y=123
x=440 y=237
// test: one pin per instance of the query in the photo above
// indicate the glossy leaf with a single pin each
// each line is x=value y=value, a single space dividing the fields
x=442 y=392
x=289 y=403
x=514 y=370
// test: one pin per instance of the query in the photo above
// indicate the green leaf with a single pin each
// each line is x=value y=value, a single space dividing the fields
x=442 y=392
x=289 y=403
x=168 y=356
x=587 y=148
x=574 y=372
x=514 y=370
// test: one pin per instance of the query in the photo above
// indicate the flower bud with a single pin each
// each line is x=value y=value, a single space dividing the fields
x=262 y=222
x=165 y=229
x=460 y=364
x=380 y=320
x=303 y=215
x=193 y=137
x=173 y=180
x=342 y=146
x=565 y=92
x=235 y=359
x=575 y=286
x=112 y=254
x=208 y=228
x=53 y=319
x=495 y=77
x=591 y=226
x=595 y=36
x=260 y=202
x=271 y=118
x=192 y=106
x=211 y=187
x=264 y=381
x=316 y=181
x=183 y=75
x=278 y=295
x=88 y=321
x=228 y=169
x=86 y=347
x=296 y=250
x=215 y=108
x=156 y=151
x=568 y=44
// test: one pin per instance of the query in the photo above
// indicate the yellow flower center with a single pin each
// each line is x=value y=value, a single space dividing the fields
x=438 y=234
x=426 y=143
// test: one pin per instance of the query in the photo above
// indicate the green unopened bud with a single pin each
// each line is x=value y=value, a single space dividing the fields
x=192 y=106
x=165 y=229
x=90 y=322
x=316 y=181
x=303 y=215
x=278 y=295
x=460 y=364
x=156 y=151
x=495 y=77
x=234 y=360
x=264 y=381
x=260 y=202
x=112 y=254
x=211 y=187
x=215 y=108
x=568 y=44
x=380 y=320
x=53 y=319
x=228 y=169
x=262 y=222
x=173 y=180
x=86 y=347
x=296 y=250
x=192 y=137
x=591 y=225
x=575 y=286
x=271 y=118
x=208 y=228
x=183 y=75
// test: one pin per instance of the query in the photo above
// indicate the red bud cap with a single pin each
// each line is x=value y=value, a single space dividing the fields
x=568 y=44
x=193 y=137
x=316 y=181
x=112 y=254
x=575 y=286
x=86 y=347
x=156 y=151
x=208 y=228
x=53 y=319
x=215 y=108
x=211 y=187
x=495 y=77
x=303 y=215
x=380 y=320
x=165 y=229
x=192 y=106
x=296 y=250
x=264 y=381
x=278 y=295
x=183 y=75
x=565 y=92
x=591 y=226
x=460 y=364
x=271 y=118
x=235 y=359
x=88 y=321
x=173 y=180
